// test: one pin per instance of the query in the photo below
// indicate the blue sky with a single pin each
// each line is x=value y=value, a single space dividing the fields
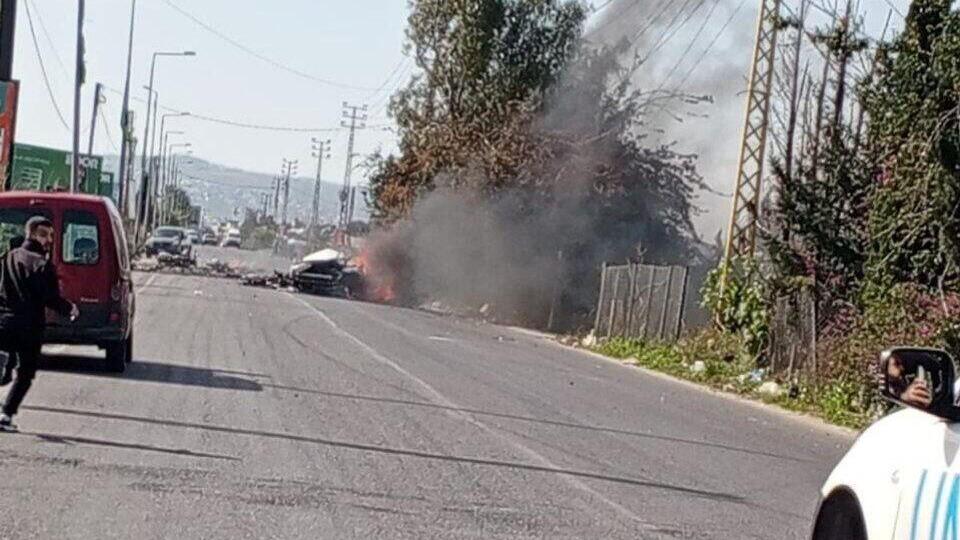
x=357 y=43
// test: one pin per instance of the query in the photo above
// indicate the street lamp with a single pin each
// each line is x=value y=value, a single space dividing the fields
x=163 y=140
x=146 y=129
x=172 y=179
x=163 y=176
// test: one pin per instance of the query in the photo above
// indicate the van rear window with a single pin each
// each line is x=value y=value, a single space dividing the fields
x=12 y=221
x=81 y=238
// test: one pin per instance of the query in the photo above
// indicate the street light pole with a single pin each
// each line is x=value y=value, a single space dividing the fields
x=164 y=153
x=78 y=83
x=163 y=136
x=146 y=135
x=172 y=193
x=125 y=118
x=164 y=170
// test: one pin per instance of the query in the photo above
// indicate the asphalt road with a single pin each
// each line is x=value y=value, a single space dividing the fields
x=253 y=413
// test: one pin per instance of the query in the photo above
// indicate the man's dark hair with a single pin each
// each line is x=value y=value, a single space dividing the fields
x=35 y=223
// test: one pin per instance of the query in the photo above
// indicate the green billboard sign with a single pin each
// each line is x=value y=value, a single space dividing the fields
x=37 y=168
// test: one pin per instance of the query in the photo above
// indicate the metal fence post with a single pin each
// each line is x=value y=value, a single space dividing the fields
x=613 y=304
x=666 y=302
x=631 y=305
x=603 y=287
x=683 y=301
x=556 y=295
x=646 y=307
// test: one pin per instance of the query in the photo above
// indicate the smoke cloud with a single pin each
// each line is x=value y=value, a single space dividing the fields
x=519 y=252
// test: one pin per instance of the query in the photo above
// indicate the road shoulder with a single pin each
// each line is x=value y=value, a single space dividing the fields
x=806 y=420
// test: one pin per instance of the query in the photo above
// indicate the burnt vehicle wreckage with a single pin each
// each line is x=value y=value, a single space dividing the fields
x=325 y=272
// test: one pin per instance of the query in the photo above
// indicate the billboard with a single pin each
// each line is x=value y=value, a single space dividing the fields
x=8 y=122
x=37 y=168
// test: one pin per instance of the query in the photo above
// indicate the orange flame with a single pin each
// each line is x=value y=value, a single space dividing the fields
x=378 y=283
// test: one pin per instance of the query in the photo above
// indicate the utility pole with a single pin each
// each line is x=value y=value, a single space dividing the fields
x=289 y=169
x=97 y=100
x=79 y=76
x=276 y=197
x=125 y=125
x=8 y=23
x=356 y=121
x=321 y=150
x=742 y=233
x=264 y=205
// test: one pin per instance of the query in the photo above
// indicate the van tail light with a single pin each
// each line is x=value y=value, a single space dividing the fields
x=114 y=318
x=116 y=291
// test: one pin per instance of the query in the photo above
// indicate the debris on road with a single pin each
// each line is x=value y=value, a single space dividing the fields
x=276 y=280
x=177 y=264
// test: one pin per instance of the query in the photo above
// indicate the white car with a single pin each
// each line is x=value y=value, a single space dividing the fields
x=232 y=239
x=901 y=478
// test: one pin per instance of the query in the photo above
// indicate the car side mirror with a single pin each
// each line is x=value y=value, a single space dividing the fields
x=920 y=378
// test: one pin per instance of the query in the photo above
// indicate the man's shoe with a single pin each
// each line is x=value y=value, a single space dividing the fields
x=6 y=424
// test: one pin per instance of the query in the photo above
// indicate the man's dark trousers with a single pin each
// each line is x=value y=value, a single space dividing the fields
x=26 y=350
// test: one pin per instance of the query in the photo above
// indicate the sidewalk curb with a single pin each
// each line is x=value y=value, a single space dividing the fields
x=806 y=419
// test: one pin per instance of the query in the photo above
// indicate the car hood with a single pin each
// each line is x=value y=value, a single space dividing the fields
x=162 y=241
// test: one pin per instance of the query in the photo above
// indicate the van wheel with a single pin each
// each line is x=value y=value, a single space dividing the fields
x=840 y=518
x=117 y=355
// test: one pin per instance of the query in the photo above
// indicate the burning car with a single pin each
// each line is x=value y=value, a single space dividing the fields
x=327 y=272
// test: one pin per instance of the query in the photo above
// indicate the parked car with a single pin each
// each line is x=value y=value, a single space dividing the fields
x=169 y=240
x=901 y=478
x=326 y=272
x=93 y=265
x=193 y=237
x=232 y=239
x=208 y=238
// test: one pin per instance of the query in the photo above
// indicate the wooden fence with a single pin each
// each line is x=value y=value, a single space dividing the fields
x=641 y=301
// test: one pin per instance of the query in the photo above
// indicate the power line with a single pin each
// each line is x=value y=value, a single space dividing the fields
x=696 y=37
x=261 y=127
x=653 y=21
x=43 y=69
x=894 y=8
x=236 y=123
x=261 y=57
x=384 y=101
x=615 y=17
x=389 y=78
x=106 y=129
x=671 y=30
x=712 y=43
x=53 y=47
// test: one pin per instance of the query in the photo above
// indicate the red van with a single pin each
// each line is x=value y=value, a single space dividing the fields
x=92 y=262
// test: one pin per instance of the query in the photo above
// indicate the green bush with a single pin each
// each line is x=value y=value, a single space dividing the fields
x=740 y=305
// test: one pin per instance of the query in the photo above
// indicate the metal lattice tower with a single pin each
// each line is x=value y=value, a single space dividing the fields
x=742 y=233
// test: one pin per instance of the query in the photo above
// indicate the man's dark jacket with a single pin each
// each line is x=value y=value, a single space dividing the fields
x=28 y=285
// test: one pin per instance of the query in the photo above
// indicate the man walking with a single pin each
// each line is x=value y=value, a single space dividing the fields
x=28 y=285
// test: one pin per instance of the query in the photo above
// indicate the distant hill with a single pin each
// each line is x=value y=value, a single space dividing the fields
x=221 y=190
